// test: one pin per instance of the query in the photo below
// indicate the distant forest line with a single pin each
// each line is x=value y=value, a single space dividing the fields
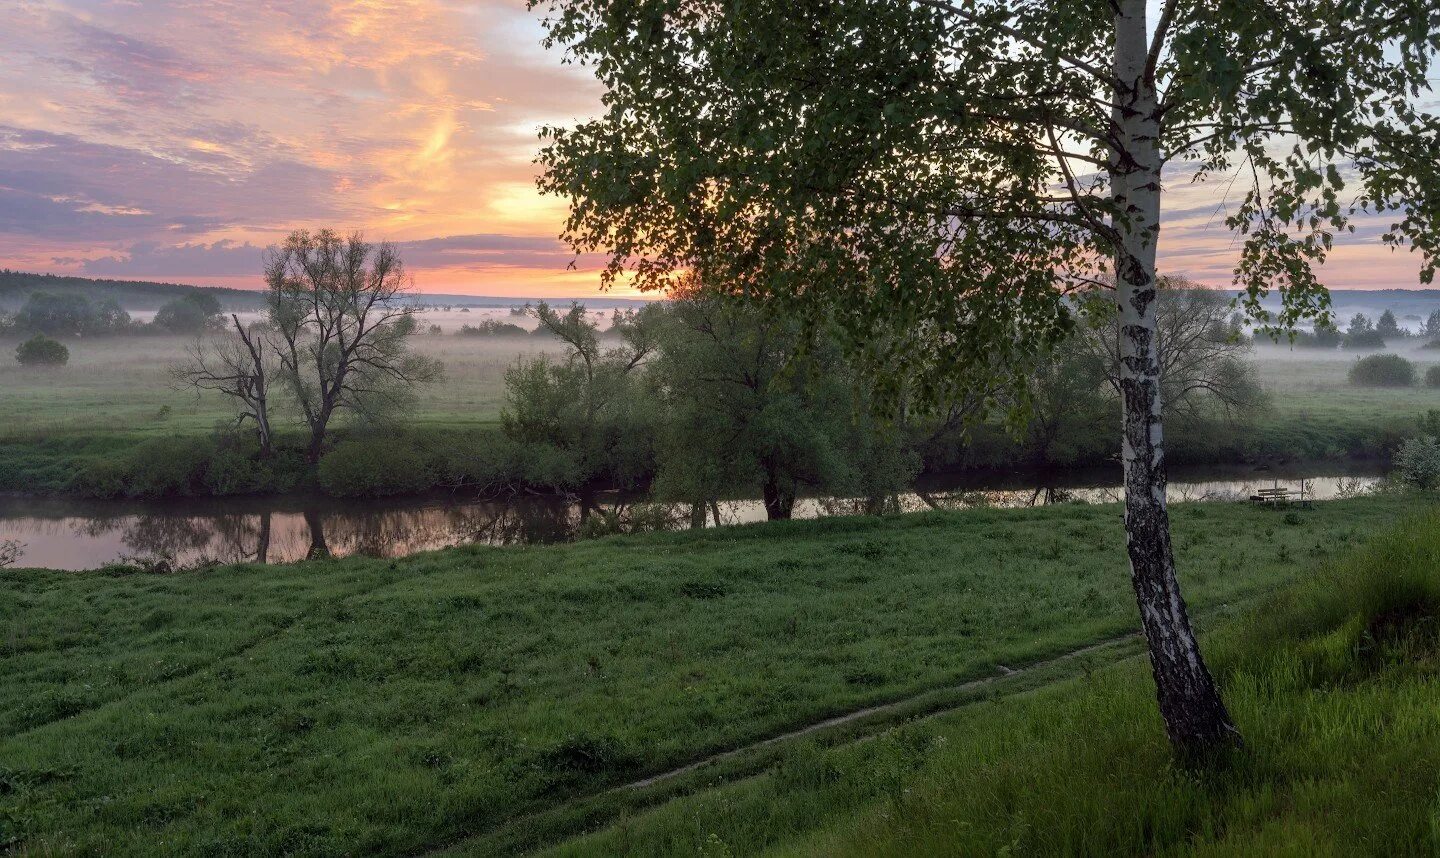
x=146 y=295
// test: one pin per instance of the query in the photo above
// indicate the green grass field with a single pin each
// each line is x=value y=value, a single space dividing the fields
x=121 y=385
x=486 y=699
x=1332 y=682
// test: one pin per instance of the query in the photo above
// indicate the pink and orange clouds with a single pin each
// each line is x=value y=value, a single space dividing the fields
x=174 y=139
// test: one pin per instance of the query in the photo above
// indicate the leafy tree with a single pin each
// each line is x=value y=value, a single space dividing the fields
x=69 y=315
x=1431 y=328
x=584 y=415
x=189 y=314
x=960 y=166
x=1067 y=395
x=1360 y=324
x=40 y=350
x=1324 y=336
x=1364 y=340
x=1417 y=463
x=750 y=406
x=1387 y=327
x=342 y=329
x=1200 y=345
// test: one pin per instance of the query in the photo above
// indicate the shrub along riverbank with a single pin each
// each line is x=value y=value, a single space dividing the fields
x=149 y=465
x=391 y=706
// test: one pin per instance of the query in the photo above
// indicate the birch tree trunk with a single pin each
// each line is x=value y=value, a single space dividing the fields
x=1190 y=704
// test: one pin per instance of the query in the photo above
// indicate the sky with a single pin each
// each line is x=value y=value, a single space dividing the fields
x=175 y=139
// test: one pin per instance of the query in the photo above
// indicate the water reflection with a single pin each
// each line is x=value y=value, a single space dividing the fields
x=73 y=534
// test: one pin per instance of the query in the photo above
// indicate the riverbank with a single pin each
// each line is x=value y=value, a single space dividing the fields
x=152 y=464
x=352 y=706
x=178 y=533
x=111 y=425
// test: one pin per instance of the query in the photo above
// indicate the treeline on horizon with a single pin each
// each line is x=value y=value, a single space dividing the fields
x=132 y=295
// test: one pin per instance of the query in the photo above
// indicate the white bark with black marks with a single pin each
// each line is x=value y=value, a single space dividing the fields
x=1195 y=717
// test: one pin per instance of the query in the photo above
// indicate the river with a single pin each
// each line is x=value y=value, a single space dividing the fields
x=64 y=533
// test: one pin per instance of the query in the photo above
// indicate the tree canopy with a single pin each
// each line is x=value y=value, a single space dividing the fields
x=950 y=163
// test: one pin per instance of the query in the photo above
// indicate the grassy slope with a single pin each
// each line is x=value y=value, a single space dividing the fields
x=1332 y=683
x=373 y=705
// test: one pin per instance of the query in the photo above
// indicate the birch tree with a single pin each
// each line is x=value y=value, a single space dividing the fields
x=961 y=165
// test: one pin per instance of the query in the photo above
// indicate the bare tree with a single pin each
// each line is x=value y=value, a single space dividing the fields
x=241 y=367
x=337 y=305
x=10 y=551
x=1201 y=348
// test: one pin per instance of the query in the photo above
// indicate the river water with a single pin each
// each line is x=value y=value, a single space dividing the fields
x=86 y=534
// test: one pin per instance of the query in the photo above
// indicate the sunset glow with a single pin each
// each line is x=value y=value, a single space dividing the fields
x=173 y=141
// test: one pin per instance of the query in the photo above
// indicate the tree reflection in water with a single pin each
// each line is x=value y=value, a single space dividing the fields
x=86 y=535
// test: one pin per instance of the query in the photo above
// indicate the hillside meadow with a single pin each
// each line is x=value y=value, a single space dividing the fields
x=1331 y=680
x=490 y=699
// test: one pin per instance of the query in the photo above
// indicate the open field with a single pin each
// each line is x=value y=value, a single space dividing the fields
x=391 y=706
x=121 y=384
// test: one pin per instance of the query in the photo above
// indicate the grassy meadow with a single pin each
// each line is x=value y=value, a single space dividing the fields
x=488 y=700
x=122 y=385
x=1332 y=683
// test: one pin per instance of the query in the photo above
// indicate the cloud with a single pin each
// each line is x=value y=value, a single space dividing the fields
x=479 y=256
x=220 y=259
x=174 y=139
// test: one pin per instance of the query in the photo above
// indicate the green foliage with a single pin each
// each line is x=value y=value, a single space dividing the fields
x=69 y=314
x=40 y=350
x=1387 y=327
x=1382 y=371
x=189 y=314
x=374 y=467
x=1432 y=376
x=752 y=406
x=186 y=466
x=1431 y=328
x=493 y=328
x=1323 y=336
x=1417 y=463
x=396 y=706
x=586 y=416
x=801 y=171
x=1362 y=341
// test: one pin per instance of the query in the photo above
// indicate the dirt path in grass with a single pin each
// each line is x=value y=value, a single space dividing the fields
x=880 y=710
x=926 y=704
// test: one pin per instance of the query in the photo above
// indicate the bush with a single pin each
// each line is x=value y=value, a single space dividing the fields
x=374 y=467
x=40 y=350
x=486 y=462
x=1364 y=341
x=493 y=328
x=1432 y=376
x=1382 y=371
x=1417 y=463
